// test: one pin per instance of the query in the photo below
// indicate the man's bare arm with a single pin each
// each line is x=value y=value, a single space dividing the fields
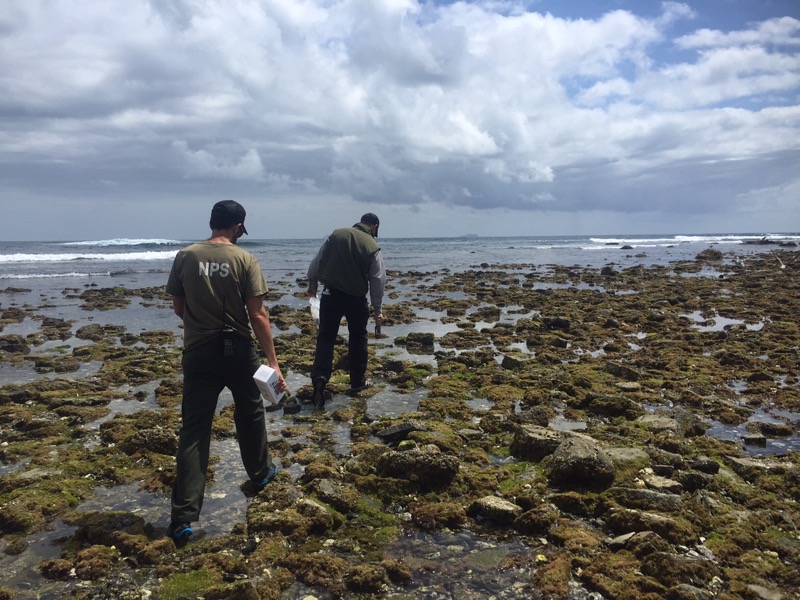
x=259 y=320
x=178 y=305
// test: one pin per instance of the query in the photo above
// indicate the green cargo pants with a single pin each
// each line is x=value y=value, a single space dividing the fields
x=206 y=371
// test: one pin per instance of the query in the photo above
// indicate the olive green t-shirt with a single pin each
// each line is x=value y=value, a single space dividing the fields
x=214 y=280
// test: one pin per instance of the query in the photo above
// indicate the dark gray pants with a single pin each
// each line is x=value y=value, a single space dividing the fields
x=205 y=373
x=333 y=306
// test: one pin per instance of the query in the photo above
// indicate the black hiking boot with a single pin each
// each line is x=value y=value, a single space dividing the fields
x=180 y=533
x=364 y=385
x=319 y=393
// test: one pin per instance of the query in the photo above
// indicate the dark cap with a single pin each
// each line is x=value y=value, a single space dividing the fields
x=226 y=213
x=370 y=219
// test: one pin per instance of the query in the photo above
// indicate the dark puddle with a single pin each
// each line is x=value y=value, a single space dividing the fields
x=465 y=565
x=20 y=572
x=773 y=445
x=6 y=468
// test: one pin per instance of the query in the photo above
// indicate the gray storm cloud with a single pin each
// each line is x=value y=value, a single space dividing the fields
x=423 y=106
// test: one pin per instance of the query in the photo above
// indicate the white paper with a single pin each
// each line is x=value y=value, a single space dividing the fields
x=313 y=303
x=266 y=379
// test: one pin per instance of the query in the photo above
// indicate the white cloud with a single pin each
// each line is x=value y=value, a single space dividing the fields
x=723 y=75
x=774 y=32
x=487 y=105
x=672 y=12
x=205 y=164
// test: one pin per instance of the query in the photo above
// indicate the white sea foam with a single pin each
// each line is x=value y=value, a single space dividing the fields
x=116 y=257
x=124 y=242
x=48 y=275
x=652 y=241
x=711 y=238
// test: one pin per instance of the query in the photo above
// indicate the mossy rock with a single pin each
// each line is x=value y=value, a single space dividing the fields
x=618 y=576
x=366 y=579
x=95 y=562
x=438 y=515
x=672 y=569
x=537 y=521
x=673 y=529
x=448 y=387
x=191 y=584
x=552 y=578
x=321 y=570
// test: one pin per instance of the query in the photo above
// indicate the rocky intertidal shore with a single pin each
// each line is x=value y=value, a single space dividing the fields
x=534 y=431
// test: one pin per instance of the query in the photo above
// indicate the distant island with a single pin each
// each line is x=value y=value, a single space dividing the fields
x=469 y=235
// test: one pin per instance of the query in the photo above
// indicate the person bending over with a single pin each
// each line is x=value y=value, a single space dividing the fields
x=348 y=264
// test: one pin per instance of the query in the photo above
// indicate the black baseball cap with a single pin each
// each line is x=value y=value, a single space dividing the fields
x=226 y=213
x=370 y=219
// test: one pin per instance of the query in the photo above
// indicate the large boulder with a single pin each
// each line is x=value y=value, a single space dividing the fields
x=426 y=468
x=580 y=463
x=672 y=569
x=159 y=440
x=533 y=443
x=495 y=509
x=710 y=254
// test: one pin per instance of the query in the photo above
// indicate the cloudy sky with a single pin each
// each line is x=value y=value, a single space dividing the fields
x=129 y=118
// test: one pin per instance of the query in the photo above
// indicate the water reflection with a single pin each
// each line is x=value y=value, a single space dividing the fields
x=717 y=323
x=561 y=423
x=479 y=404
x=465 y=565
x=774 y=445
x=20 y=571
x=388 y=403
x=25 y=372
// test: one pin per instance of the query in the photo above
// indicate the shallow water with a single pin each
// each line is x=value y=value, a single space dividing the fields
x=390 y=404
x=561 y=423
x=774 y=446
x=6 y=468
x=717 y=323
x=126 y=405
x=20 y=571
x=25 y=373
x=464 y=565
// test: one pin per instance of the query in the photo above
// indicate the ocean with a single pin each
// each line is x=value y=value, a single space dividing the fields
x=146 y=262
x=49 y=276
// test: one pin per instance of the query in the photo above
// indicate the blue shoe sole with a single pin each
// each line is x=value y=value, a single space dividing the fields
x=273 y=471
x=181 y=534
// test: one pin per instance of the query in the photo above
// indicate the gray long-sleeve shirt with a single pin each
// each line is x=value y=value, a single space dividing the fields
x=377 y=276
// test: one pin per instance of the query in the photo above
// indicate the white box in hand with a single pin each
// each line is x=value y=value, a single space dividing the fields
x=266 y=379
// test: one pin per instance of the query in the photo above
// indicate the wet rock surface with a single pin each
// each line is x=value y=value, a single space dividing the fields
x=589 y=438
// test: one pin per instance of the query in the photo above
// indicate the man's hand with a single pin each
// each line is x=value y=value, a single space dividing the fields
x=281 y=387
x=259 y=320
x=311 y=292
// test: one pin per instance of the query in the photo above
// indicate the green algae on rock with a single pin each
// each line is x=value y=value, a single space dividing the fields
x=661 y=510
